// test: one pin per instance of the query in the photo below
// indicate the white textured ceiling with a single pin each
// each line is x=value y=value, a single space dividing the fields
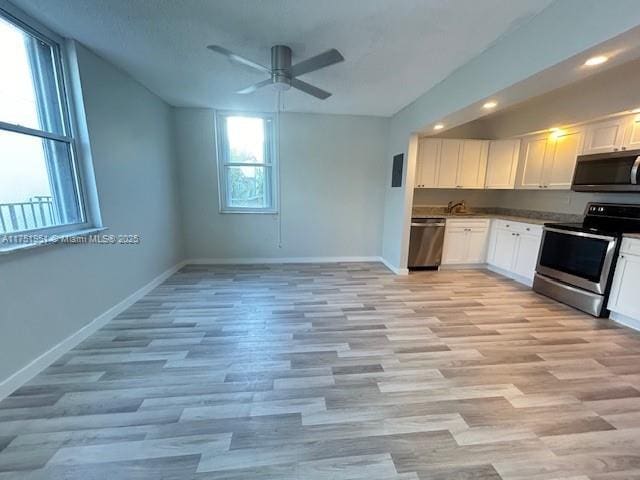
x=395 y=50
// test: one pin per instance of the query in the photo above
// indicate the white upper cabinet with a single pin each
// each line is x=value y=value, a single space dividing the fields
x=539 y=161
x=449 y=163
x=548 y=162
x=621 y=133
x=428 y=162
x=472 y=166
x=502 y=164
x=560 y=159
x=632 y=133
x=531 y=167
x=604 y=137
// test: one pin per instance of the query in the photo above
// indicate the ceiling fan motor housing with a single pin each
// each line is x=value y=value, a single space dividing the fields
x=281 y=66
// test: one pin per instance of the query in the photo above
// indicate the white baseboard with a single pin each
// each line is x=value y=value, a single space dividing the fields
x=624 y=320
x=22 y=376
x=275 y=260
x=514 y=276
x=394 y=269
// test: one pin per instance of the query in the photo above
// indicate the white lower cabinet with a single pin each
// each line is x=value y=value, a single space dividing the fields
x=624 y=298
x=513 y=249
x=465 y=242
x=502 y=248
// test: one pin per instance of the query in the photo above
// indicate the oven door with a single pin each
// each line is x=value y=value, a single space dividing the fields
x=580 y=259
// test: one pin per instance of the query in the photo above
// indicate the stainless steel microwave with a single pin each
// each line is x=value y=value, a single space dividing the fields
x=608 y=172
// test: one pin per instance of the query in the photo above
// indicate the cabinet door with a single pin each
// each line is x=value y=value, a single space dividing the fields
x=455 y=245
x=624 y=297
x=532 y=161
x=428 y=160
x=504 y=248
x=449 y=159
x=502 y=163
x=604 y=136
x=472 y=166
x=632 y=133
x=526 y=256
x=477 y=245
x=560 y=159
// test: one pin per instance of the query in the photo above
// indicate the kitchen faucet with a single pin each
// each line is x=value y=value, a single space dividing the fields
x=457 y=207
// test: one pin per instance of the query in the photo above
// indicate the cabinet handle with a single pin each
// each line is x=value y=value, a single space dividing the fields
x=615 y=149
x=623 y=148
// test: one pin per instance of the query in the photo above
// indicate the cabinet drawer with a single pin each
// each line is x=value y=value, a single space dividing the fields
x=480 y=223
x=518 y=227
x=630 y=246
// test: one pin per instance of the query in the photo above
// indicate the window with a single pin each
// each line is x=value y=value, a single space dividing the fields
x=40 y=187
x=246 y=163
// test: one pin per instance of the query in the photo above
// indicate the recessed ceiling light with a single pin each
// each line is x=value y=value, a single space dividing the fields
x=438 y=126
x=490 y=104
x=557 y=133
x=598 y=60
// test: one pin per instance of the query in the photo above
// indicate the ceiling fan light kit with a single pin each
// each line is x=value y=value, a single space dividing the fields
x=283 y=75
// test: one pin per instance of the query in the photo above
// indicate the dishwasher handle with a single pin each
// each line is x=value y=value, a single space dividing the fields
x=427 y=225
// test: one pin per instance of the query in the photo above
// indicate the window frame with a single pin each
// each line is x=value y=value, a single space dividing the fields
x=75 y=134
x=271 y=153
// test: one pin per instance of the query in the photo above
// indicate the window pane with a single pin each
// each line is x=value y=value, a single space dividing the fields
x=28 y=84
x=245 y=137
x=248 y=187
x=37 y=187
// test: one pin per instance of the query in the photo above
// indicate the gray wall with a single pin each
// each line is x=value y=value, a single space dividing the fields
x=332 y=189
x=49 y=293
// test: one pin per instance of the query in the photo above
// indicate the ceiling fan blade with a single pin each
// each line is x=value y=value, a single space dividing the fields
x=310 y=89
x=255 y=87
x=238 y=59
x=316 y=63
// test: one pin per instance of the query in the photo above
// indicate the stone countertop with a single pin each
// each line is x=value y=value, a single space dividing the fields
x=513 y=218
x=524 y=216
x=635 y=236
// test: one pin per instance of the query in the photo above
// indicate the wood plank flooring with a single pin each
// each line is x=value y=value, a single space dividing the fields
x=340 y=372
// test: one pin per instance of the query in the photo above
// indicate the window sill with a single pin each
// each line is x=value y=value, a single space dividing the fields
x=246 y=211
x=57 y=239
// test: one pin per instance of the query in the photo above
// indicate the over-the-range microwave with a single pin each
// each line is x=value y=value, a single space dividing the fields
x=608 y=172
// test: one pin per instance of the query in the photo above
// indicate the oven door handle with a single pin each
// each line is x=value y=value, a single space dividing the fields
x=634 y=171
x=581 y=234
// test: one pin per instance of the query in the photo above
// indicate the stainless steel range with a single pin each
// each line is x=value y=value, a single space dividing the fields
x=576 y=261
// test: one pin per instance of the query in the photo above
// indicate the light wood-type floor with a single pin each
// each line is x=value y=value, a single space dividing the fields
x=340 y=372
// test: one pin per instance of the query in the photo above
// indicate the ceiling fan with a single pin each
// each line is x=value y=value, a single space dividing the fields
x=282 y=73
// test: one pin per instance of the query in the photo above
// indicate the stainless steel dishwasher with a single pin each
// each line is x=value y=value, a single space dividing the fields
x=425 y=242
